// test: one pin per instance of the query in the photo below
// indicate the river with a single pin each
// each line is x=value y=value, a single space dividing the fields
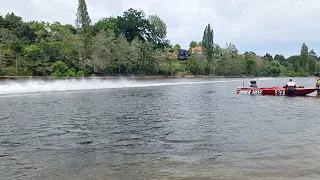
x=156 y=129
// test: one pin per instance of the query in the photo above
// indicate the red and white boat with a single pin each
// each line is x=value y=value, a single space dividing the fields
x=275 y=90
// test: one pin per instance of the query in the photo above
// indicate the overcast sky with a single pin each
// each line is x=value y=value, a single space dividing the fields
x=274 y=26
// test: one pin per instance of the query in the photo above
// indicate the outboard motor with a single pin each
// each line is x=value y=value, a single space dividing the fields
x=253 y=84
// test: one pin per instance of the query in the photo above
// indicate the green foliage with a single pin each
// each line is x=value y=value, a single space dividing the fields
x=32 y=52
x=304 y=66
x=130 y=44
x=207 y=42
x=173 y=68
x=280 y=58
x=61 y=69
x=176 y=47
x=133 y=24
x=106 y=25
x=159 y=31
x=83 y=23
x=268 y=57
x=196 y=64
x=83 y=20
x=193 y=44
x=273 y=68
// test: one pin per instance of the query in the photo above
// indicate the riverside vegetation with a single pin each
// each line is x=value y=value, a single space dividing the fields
x=130 y=44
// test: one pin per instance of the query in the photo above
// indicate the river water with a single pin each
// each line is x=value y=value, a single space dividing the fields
x=156 y=129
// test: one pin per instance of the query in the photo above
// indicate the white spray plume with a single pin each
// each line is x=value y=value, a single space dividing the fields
x=34 y=86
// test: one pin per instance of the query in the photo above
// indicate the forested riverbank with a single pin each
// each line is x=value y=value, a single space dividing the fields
x=133 y=45
x=122 y=77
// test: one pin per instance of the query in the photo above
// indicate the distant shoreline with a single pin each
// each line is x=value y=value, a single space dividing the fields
x=120 y=77
x=128 y=77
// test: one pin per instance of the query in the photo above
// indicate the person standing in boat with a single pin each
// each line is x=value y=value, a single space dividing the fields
x=291 y=83
x=317 y=85
x=291 y=87
x=317 y=82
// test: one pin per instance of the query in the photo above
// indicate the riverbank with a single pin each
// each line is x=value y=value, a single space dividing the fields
x=119 y=77
x=126 y=77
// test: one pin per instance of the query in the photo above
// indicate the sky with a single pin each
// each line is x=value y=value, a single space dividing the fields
x=261 y=26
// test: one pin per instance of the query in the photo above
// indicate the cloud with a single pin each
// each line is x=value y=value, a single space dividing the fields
x=246 y=23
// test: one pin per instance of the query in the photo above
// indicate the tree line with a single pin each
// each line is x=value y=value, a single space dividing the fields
x=130 y=44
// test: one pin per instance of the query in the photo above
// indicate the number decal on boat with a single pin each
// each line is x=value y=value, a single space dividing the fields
x=250 y=91
x=256 y=91
x=280 y=92
x=245 y=91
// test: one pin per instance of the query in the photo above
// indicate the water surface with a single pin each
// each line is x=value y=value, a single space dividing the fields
x=156 y=129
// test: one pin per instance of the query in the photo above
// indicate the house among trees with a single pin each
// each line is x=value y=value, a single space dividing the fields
x=197 y=49
x=183 y=54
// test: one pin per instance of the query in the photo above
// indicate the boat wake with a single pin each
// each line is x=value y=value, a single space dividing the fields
x=38 y=86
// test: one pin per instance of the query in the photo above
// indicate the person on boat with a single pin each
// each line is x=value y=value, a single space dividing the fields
x=291 y=87
x=291 y=83
x=318 y=85
x=317 y=82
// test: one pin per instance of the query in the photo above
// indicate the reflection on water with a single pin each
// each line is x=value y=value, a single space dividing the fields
x=181 y=131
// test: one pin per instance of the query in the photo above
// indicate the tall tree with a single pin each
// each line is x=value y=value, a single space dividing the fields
x=83 y=23
x=106 y=24
x=133 y=23
x=304 y=58
x=102 y=57
x=82 y=17
x=207 y=42
x=159 y=31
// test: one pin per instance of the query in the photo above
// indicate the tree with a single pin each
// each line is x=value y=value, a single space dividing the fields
x=6 y=58
x=159 y=31
x=193 y=44
x=268 y=57
x=280 y=58
x=176 y=47
x=102 y=56
x=193 y=65
x=122 y=55
x=207 y=42
x=295 y=61
x=15 y=24
x=231 y=49
x=304 y=66
x=83 y=23
x=105 y=25
x=37 y=64
x=134 y=24
x=312 y=60
x=273 y=68
x=250 y=58
x=129 y=44
x=83 y=20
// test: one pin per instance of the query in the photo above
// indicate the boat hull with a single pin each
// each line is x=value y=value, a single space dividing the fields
x=275 y=91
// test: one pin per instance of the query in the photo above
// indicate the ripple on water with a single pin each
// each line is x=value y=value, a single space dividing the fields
x=186 y=131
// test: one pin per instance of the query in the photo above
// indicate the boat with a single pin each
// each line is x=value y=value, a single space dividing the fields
x=275 y=90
